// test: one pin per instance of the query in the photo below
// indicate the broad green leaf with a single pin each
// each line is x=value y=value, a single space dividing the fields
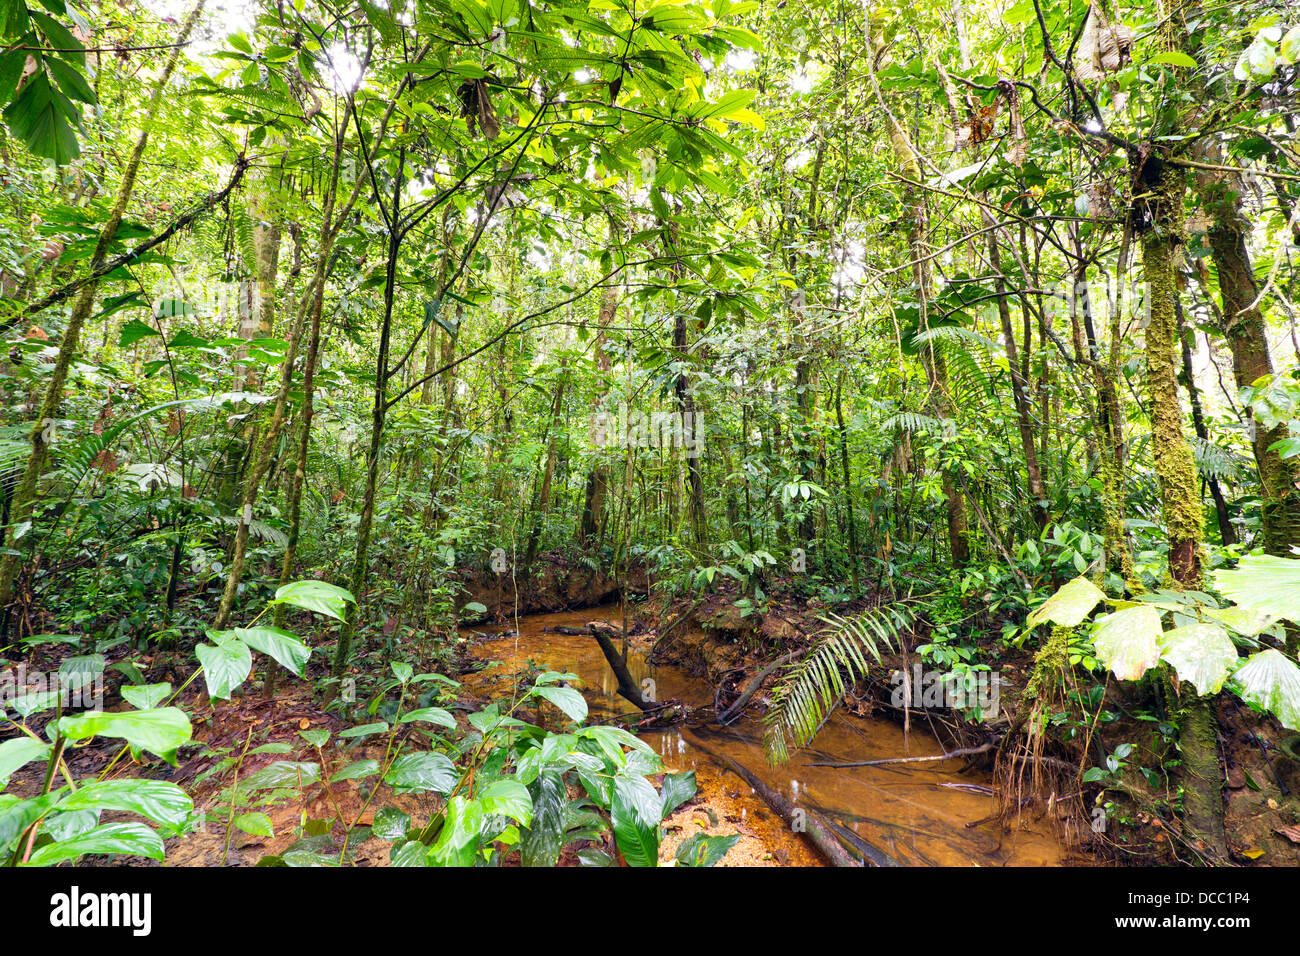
x=281 y=773
x=317 y=738
x=1271 y=680
x=226 y=665
x=18 y=753
x=704 y=850
x=1175 y=58
x=34 y=703
x=159 y=730
x=365 y=730
x=134 y=331
x=540 y=843
x=41 y=116
x=1201 y=654
x=18 y=816
x=636 y=810
x=256 y=823
x=422 y=772
x=1126 y=641
x=677 y=789
x=288 y=651
x=356 y=770
x=78 y=672
x=129 y=839
x=1243 y=620
x=507 y=798
x=567 y=699
x=1265 y=583
x=1069 y=606
x=430 y=715
x=318 y=596
x=410 y=853
x=157 y=800
x=458 y=841
x=391 y=823
x=146 y=696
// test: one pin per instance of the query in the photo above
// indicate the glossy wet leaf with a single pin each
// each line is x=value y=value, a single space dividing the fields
x=19 y=752
x=129 y=839
x=318 y=596
x=1069 y=606
x=458 y=841
x=255 y=823
x=677 y=789
x=1126 y=641
x=391 y=823
x=541 y=842
x=704 y=850
x=289 y=652
x=281 y=773
x=636 y=810
x=567 y=699
x=507 y=798
x=226 y=665
x=356 y=770
x=146 y=696
x=156 y=800
x=422 y=772
x=430 y=715
x=1201 y=654
x=1271 y=680
x=1268 y=584
x=159 y=730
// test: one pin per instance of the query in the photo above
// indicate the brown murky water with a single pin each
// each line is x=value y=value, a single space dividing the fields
x=917 y=814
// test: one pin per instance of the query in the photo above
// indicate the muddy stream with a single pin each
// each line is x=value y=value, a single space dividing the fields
x=917 y=814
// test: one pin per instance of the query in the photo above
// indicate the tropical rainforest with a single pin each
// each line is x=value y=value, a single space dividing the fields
x=649 y=432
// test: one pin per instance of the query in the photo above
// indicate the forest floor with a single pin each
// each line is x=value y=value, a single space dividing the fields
x=726 y=648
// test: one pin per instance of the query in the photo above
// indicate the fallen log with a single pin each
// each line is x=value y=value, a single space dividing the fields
x=627 y=685
x=869 y=853
x=585 y=631
x=732 y=712
x=813 y=828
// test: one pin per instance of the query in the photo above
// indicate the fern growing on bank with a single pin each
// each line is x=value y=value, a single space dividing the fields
x=813 y=687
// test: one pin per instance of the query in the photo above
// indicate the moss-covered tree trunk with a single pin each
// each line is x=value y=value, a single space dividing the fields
x=1244 y=327
x=1162 y=185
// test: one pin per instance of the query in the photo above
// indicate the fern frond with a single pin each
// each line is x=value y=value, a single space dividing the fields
x=258 y=529
x=957 y=334
x=1215 y=461
x=917 y=423
x=812 y=687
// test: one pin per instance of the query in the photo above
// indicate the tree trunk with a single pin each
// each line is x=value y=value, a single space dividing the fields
x=1180 y=501
x=20 y=507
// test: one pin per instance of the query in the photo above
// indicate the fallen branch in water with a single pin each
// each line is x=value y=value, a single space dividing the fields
x=627 y=685
x=812 y=826
x=961 y=752
x=730 y=713
x=870 y=854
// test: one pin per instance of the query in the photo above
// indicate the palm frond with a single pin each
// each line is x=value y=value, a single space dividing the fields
x=812 y=687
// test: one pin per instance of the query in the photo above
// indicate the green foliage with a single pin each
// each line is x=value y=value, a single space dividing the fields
x=812 y=687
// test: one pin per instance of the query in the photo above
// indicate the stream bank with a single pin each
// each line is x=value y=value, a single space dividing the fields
x=936 y=814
